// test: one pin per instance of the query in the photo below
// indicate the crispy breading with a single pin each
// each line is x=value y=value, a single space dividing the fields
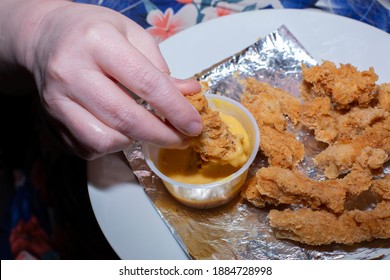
x=270 y=107
x=332 y=126
x=251 y=193
x=278 y=185
x=344 y=85
x=315 y=227
x=346 y=109
x=356 y=122
x=381 y=187
x=215 y=143
x=339 y=157
x=281 y=147
x=384 y=96
x=317 y=115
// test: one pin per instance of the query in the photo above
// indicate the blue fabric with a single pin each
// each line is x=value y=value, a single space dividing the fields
x=297 y=4
x=376 y=13
x=373 y=12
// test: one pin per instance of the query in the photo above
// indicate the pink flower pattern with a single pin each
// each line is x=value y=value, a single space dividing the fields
x=164 y=25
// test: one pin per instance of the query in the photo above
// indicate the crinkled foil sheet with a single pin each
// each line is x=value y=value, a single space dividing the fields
x=238 y=230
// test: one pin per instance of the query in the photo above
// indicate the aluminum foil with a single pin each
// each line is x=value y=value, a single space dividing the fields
x=238 y=230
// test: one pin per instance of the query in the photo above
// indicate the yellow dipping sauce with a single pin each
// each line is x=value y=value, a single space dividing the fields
x=182 y=165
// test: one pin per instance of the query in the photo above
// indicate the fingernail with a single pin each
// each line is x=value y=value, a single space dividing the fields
x=194 y=128
x=197 y=85
x=187 y=86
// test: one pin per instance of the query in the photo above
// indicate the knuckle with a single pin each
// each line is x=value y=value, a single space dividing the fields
x=125 y=119
x=58 y=68
x=93 y=33
x=149 y=82
x=104 y=144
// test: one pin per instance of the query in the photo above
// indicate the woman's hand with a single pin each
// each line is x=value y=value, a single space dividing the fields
x=84 y=58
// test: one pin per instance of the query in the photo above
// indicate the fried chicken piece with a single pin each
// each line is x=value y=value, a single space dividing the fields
x=384 y=96
x=281 y=147
x=381 y=187
x=344 y=85
x=270 y=106
x=276 y=185
x=317 y=115
x=251 y=193
x=330 y=125
x=339 y=157
x=284 y=186
x=357 y=121
x=215 y=143
x=321 y=227
x=346 y=109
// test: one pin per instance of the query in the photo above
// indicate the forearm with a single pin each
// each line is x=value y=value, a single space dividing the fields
x=19 y=22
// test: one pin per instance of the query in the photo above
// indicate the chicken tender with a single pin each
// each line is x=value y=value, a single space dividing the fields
x=215 y=143
x=278 y=185
x=321 y=227
x=317 y=115
x=347 y=110
x=384 y=96
x=281 y=147
x=270 y=107
x=332 y=126
x=381 y=187
x=339 y=158
x=344 y=85
x=251 y=193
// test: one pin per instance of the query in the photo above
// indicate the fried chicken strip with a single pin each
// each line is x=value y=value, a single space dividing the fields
x=321 y=227
x=317 y=115
x=281 y=147
x=339 y=157
x=331 y=125
x=270 y=106
x=344 y=85
x=251 y=193
x=382 y=187
x=384 y=96
x=276 y=185
x=215 y=143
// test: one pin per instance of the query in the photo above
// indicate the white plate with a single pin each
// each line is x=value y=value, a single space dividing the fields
x=124 y=212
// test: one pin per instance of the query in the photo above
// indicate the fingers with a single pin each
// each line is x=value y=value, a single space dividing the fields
x=131 y=68
x=146 y=44
x=188 y=86
x=83 y=133
x=106 y=118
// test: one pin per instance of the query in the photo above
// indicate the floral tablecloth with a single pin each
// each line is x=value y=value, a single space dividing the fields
x=166 y=18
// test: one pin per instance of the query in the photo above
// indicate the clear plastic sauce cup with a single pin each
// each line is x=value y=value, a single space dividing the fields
x=220 y=192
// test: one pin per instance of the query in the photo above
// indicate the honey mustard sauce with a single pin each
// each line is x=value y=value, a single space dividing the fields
x=184 y=165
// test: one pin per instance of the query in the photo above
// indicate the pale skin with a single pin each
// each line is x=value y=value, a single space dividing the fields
x=82 y=57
